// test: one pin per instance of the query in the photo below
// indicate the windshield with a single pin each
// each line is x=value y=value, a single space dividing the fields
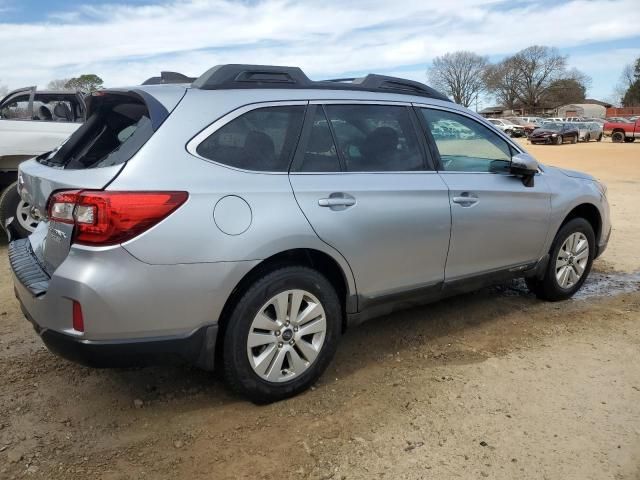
x=552 y=126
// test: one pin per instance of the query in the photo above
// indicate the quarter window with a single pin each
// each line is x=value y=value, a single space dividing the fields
x=261 y=140
x=375 y=138
x=466 y=145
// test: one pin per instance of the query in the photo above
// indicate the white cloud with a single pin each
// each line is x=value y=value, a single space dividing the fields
x=126 y=44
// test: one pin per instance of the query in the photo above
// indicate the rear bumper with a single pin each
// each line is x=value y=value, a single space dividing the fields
x=134 y=313
x=197 y=349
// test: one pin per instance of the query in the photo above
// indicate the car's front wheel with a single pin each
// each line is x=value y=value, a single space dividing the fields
x=559 y=140
x=617 y=137
x=15 y=213
x=281 y=334
x=570 y=261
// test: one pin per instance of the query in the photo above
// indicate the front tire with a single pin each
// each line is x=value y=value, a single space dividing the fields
x=13 y=207
x=282 y=334
x=559 y=140
x=570 y=261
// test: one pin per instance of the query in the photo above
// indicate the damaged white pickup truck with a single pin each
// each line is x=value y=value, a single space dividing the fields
x=32 y=122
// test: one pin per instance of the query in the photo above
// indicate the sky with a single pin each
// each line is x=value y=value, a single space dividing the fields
x=127 y=41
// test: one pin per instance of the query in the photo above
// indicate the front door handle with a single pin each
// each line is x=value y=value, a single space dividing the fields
x=337 y=201
x=466 y=199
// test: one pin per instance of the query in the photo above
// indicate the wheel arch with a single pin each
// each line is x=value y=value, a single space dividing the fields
x=590 y=213
x=309 y=257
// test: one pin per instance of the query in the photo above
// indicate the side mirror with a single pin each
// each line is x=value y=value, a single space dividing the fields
x=525 y=166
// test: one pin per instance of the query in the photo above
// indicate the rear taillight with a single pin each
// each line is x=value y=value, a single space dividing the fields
x=108 y=218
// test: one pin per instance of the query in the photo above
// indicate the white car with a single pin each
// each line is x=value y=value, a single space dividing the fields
x=32 y=122
x=508 y=127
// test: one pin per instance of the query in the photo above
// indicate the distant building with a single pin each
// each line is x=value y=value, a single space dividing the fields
x=590 y=110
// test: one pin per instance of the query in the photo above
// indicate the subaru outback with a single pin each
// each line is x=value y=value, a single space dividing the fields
x=246 y=219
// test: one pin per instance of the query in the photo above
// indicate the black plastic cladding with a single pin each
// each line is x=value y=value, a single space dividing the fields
x=235 y=76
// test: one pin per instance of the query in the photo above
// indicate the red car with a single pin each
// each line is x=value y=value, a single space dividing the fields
x=622 y=131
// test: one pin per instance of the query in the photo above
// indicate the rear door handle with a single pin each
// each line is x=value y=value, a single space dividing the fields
x=466 y=199
x=336 y=202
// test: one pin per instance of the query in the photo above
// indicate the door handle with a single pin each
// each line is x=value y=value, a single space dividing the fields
x=466 y=199
x=336 y=202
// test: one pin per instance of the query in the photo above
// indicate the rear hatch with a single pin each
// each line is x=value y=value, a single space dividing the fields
x=119 y=123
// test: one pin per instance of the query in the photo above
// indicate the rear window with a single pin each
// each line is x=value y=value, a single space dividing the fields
x=262 y=140
x=118 y=126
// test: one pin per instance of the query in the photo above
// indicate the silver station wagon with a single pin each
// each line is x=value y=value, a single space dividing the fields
x=246 y=219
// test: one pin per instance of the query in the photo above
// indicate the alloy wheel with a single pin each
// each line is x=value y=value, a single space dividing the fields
x=572 y=260
x=286 y=335
x=24 y=217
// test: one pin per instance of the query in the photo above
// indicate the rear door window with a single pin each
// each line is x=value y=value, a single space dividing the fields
x=261 y=140
x=375 y=138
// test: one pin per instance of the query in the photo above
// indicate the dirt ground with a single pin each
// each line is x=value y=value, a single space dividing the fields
x=495 y=384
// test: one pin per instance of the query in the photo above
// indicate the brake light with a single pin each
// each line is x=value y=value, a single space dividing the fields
x=109 y=218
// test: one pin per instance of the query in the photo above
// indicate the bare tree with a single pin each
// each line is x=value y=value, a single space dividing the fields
x=57 y=84
x=537 y=67
x=460 y=75
x=503 y=80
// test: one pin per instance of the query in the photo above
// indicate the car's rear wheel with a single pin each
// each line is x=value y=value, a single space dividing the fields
x=281 y=334
x=570 y=262
x=617 y=137
x=17 y=213
x=559 y=140
x=574 y=138
x=599 y=138
x=587 y=137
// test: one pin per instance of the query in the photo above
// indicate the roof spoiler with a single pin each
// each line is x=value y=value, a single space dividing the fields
x=168 y=77
x=237 y=76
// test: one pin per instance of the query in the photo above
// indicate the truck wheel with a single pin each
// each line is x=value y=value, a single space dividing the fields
x=629 y=140
x=17 y=212
x=570 y=262
x=617 y=137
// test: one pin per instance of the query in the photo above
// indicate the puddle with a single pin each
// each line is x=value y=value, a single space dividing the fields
x=597 y=285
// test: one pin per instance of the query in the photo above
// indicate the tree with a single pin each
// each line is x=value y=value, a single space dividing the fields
x=631 y=75
x=86 y=83
x=58 y=84
x=537 y=67
x=502 y=80
x=460 y=75
x=571 y=88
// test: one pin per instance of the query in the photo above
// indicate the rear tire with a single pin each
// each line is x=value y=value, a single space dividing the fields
x=261 y=371
x=587 y=137
x=12 y=207
x=566 y=262
x=574 y=139
x=599 y=138
x=617 y=137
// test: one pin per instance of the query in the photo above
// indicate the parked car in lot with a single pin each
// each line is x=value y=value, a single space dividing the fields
x=622 y=131
x=247 y=219
x=555 y=133
x=589 y=131
x=508 y=127
x=528 y=127
x=31 y=122
x=535 y=120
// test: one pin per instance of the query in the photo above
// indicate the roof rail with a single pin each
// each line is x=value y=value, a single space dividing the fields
x=237 y=76
x=168 y=77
